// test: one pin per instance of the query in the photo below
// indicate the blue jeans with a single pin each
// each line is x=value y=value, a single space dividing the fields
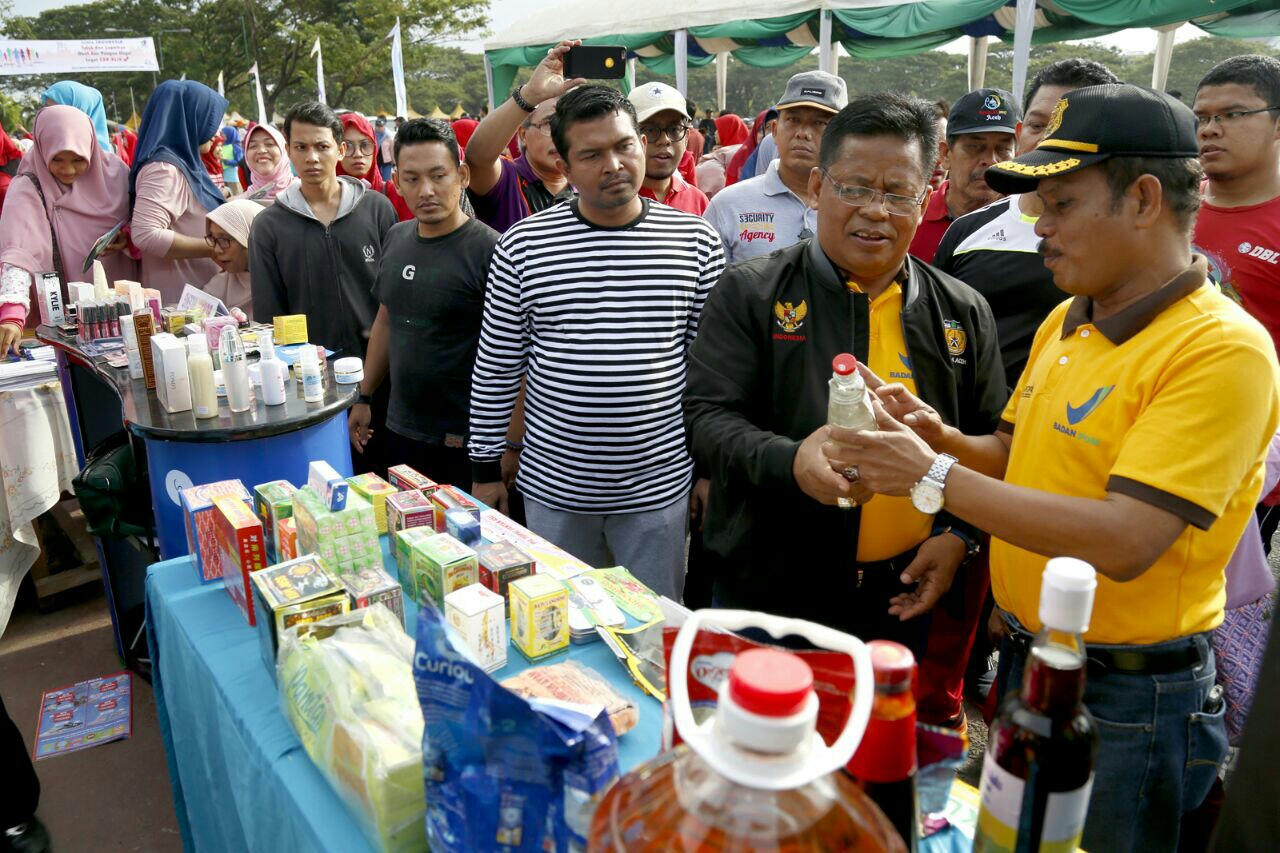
x=1162 y=739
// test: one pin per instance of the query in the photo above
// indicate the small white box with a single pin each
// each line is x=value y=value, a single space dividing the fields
x=479 y=615
x=173 y=386
x=79 y=291
x=328 y=485
x=49 y=292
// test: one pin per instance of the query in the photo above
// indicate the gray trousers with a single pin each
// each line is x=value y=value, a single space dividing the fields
x=650 y=544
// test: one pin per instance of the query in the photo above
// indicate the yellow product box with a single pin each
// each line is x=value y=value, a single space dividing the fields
x=290 y=329
x=442 y=564
x=539 y=616
x=375 y=490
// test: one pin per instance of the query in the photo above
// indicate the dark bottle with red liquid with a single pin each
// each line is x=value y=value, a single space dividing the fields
x=885 y=763
x=1038 y=770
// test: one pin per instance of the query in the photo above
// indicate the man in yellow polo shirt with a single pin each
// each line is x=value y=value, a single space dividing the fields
x=1134 y=440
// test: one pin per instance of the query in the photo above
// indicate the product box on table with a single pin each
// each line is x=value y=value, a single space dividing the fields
x=375 y=490
x=327 y=484
x=408 y=509
x=406 y=479
x=405 y=542
x=243 y=549
x=173 y=384
x=462 y=525
x=370 y=586
x=318 y=525
x=446 y=498
x=480 y=616
x=197 y=516
x=539 y=616
x=287 y=538
x=500 y=564
x=296 y=592
x=273 y=502
x=441 y=564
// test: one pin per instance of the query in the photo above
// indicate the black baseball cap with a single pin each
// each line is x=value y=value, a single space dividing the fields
x=1089 y=125
x=984 y=111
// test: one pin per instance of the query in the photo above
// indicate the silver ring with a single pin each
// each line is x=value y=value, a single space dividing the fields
x=852 y=474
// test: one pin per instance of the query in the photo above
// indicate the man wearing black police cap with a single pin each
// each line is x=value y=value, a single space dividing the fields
x=981 y=130
x=1134 y=440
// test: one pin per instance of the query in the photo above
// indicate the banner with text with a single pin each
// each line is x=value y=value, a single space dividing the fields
x=68 y=56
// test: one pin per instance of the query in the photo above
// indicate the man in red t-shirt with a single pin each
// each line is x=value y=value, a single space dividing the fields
x=1237 y=109
x=664 y=123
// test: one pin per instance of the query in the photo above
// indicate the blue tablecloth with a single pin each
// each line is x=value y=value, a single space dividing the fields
x=241 y=780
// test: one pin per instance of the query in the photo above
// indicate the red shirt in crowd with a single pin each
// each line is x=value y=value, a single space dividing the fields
x=682 y=196
x=1243 y=248
x=937 y=219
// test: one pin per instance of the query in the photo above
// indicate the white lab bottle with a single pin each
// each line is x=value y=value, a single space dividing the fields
x=272 y=371
x=312 y=384
x=235 y=372
x=204 y=393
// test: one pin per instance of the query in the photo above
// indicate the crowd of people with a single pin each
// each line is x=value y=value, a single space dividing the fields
x=616 y=320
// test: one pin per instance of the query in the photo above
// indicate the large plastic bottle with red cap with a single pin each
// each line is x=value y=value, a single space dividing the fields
x=756 y=775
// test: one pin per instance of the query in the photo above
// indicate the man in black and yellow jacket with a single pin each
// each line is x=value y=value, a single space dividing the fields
x=756 y=401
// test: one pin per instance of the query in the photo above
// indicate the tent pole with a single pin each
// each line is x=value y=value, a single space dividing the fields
x=977 y=62
x=722 y=81
x=682 y=61
x=1164 y=53
x=488 y=81
x=1024 y=24
x=631 y=73
x=835 y=59
x=824 y=40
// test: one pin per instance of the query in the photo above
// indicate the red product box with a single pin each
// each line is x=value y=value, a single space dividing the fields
x=406 y=479
x=445 y=498
x=243 y=549
x=197 y=517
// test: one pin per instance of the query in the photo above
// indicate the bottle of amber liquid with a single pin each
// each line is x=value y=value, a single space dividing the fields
x=1038 y=770
x=885 y=763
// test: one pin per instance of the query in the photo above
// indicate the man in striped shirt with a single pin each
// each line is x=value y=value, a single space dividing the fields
x=594 y=302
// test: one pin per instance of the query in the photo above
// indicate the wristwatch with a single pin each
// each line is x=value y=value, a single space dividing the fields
x=364 y=400
x=926 y=495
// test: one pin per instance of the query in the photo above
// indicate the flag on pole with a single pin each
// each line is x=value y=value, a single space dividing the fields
x=263 y=118
x=184 y=76
x=397 y=70
x=220 y=85
x=315 y=51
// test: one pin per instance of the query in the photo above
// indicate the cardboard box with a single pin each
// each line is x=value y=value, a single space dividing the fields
x=296 y=592
x=405 y=540
x=202 y=537
x=345 y=537
x=243 y=549
x=375 y=490
x=442 y=564
x=287 y=539
x=327 y=484
x=479 y=615
x=410 y=508
x=144 y=327
x=49 y=295
x=446 y=498
x=461 y=525
x=539 y=616
x=169 y=361
x=500 y=564
x=366 y=587
x=273 y=502
x=405 y=479
x=290 y=329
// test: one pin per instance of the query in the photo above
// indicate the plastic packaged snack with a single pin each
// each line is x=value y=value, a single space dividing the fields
x=572 y=682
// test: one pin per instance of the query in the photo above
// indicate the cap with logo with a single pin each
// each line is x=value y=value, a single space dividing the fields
x=649 y=99
x=1091 y=124
x=984 y=111
x=816 y=89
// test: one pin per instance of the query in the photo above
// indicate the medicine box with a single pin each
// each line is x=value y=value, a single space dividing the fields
x=539 y=616
x=461 y=525
x=479 y=616
x=197 y=515
x=370 y=586
x=500 y=564
x=445 y=498
x=243 y=549
x=273 y=502
x=375 y=490
x=405 y=478
x=286 y=539
x=327 y=484
x=441 y=564
x=407 y=509
x=290 y=329
x=296 y=592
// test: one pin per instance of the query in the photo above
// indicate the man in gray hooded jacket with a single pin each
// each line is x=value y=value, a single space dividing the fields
x=317 y=250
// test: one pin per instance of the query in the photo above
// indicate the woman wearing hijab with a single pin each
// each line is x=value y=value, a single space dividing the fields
x=462 y=130
x=359 y=160
x=733 y=171
x=266 y=165
x=10 y=156
x=87 y=100
x=124 y=142
x=172 y=190
x=731 y=130
x=228 y=235
x=67 y=194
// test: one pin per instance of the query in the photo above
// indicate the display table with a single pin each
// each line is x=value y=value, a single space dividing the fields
x=37 y=463
x=264 y=443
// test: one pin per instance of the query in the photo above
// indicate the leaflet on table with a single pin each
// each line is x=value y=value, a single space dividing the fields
x=496 y=527
x=195 y=299
x=85 y=714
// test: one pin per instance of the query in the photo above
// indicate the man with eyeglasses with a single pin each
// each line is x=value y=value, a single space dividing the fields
x=760 y=215
x=664 y=124
x=756 y=402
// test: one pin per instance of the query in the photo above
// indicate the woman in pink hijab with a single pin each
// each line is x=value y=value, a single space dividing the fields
x=67 y=193
x=267 y=161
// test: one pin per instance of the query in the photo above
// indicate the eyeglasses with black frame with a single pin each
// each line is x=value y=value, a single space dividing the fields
x=219 y=243
x=1223 y=118
x=674 y=132
x=855 y=196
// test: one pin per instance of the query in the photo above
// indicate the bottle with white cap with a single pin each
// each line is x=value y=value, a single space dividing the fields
x=849 y=402
x=271 y=369
x=204 y=394
x=235 y=371
x=312 y=379
x=1038 y=771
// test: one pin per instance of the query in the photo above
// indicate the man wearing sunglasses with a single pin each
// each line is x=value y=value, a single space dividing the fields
x=756 y=404
x=664 y=123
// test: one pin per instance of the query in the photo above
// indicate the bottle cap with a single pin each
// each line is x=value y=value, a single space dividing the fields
x=894 y=665
x=1066 y=594
x=196 y=344
x=770 y=683
x=844 y=364
x=266 y=345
